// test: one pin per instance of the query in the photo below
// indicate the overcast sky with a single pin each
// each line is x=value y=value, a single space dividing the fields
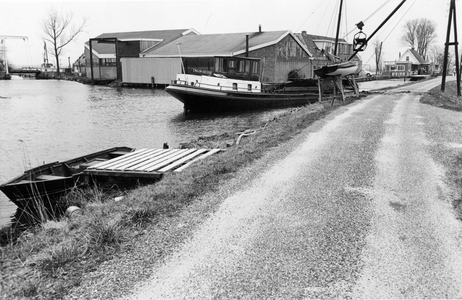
x=24 y=18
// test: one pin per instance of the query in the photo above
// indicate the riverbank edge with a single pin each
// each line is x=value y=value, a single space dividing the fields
x=48 y=261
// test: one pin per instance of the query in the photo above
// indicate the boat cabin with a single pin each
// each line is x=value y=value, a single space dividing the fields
x=243 y=68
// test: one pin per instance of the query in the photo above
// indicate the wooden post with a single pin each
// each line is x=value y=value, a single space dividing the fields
x=320 y=89
x=118 y=68
x=91 y=61
x=452 y=11
x=352 y=81
x=338 y=83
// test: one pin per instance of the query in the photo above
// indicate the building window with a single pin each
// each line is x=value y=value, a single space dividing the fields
x=107 y=61
x=400 y=68
x=247 y=66
x=255 y=67
x=241 y=66
x=219 y=65
x=231 y=64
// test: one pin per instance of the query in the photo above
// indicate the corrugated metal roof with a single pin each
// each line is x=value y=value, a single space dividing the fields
x=165 y=35
x=225 y=44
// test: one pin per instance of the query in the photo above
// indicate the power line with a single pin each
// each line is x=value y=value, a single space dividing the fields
x=386 y=2
x=309 y=16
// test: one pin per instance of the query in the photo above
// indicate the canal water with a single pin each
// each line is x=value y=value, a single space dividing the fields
x=42 y=121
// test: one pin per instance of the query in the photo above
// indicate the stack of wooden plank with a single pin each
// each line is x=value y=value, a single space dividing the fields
x=149 y=163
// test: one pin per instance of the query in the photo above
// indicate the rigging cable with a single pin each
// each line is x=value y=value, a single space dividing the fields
x=386 y=2
x=309 y=16
x=333 y=17
x=316 y=32
x=346 y=21
x=392 y=29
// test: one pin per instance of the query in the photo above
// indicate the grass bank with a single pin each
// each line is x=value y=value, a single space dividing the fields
x=46 y=261
x=449 y=100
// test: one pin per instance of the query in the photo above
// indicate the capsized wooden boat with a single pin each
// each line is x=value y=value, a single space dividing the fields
x=210 y=93
x=337 y=69
x=45 y=183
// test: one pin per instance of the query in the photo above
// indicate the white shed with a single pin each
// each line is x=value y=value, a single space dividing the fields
x=150 y=70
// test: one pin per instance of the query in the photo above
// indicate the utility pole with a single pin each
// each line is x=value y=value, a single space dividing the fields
x=452 y=11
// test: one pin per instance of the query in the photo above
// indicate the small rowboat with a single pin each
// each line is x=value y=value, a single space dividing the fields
x=338 y=69
x=46 y=183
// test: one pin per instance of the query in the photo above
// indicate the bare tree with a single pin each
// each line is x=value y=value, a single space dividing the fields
x=60 y=31
x=378 y=56
x=436 y=55
x=408 y=38
x=419 y=34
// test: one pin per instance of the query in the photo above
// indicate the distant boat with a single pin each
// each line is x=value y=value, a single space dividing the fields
x=44 y=184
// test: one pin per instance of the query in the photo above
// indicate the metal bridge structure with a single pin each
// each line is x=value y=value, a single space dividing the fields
x=3 y=39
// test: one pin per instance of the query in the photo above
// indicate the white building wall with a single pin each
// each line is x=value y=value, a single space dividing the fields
x=143 y=69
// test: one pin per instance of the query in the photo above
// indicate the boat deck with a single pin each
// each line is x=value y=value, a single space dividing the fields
x=148 y=163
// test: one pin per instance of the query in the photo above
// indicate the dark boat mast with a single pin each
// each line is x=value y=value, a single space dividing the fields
x=338 y=27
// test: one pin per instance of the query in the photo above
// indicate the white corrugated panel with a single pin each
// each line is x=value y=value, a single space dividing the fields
x=142 y=69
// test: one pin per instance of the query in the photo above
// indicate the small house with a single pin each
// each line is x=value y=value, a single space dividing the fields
x=410 y=63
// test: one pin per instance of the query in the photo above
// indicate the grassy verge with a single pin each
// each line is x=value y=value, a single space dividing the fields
x=449 y=100
x=47 y=261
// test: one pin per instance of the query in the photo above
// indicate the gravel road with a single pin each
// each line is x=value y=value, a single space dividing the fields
x=358 y=206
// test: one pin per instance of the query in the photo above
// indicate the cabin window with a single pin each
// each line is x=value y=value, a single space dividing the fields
x=241 y=66
x=255 y=67
x=219 y=65
x=249 y=87
x=235 y=86
x=231 y=64
x=247 y=66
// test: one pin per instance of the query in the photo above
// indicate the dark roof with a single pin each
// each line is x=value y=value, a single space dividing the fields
x=225 y=44
x=417 y=56
x=166 y=36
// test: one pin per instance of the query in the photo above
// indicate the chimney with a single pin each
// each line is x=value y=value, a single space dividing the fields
x=259 y=28
x=246 y=45
x=304 y=32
